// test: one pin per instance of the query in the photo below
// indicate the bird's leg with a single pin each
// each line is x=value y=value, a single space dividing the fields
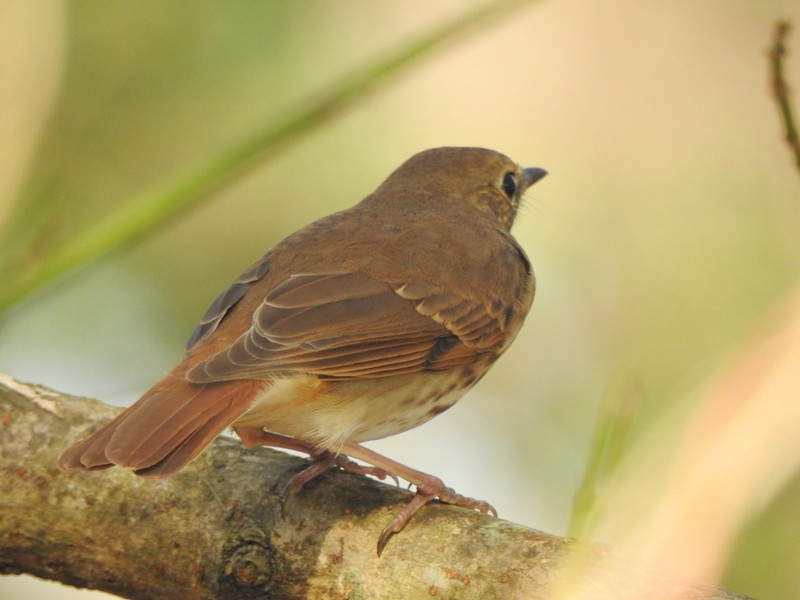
x=321 y=460
x=319 y=465
x=258 y=436
x=428 y=488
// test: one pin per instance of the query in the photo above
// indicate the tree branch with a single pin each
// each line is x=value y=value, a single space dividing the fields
x=781 y=90
x=215 y=529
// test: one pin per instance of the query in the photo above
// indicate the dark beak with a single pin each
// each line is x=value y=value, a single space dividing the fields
x=530 y=176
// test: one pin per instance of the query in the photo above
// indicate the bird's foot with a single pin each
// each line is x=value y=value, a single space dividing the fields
x=347 y=464
x=428 y=488
x=323 y=462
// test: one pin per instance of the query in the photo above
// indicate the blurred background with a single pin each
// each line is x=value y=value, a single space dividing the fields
x=665 y=233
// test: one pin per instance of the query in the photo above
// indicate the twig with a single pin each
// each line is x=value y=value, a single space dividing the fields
x=780 y=87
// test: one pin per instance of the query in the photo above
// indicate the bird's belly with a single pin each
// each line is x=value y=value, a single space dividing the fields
x=329 y=412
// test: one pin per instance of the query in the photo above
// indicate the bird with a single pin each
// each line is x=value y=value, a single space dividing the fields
x=364 y=324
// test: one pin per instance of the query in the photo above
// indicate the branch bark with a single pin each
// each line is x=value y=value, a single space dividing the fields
x=215 y=530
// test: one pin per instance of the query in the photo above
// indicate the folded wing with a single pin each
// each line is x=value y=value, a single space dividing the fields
x=348 y=325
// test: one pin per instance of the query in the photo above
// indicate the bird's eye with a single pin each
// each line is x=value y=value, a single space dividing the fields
x=510 y=184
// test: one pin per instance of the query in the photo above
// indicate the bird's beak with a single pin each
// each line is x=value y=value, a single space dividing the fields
x=530 y=176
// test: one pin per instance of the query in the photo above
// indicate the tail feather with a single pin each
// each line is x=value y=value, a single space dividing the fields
x=188 y=449
x=162 y=414
x=167 y=428
x=89 y=454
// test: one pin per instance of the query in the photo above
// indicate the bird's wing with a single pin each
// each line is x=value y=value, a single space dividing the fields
x=223 y=304
x=349 y=325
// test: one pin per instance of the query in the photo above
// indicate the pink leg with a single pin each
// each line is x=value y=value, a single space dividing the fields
x=322 y=461
x=257 y=436
x=428 y=488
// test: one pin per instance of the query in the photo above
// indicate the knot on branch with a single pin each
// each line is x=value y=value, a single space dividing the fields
x=249 y=563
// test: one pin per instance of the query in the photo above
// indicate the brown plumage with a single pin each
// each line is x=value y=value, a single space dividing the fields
x=361 y=325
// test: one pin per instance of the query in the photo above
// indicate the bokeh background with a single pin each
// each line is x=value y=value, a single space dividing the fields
x=666 y=231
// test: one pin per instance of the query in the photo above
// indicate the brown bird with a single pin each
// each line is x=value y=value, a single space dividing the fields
x=363 y=324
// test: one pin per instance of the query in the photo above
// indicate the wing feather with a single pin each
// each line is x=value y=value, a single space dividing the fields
x=348 y=325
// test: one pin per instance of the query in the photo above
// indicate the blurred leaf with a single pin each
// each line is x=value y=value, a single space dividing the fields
x=610 y=442
x=143 y=215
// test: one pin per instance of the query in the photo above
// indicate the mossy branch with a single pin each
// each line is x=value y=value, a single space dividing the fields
x=215 y=530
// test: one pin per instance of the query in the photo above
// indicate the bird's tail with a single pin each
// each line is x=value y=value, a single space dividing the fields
x=167 y=428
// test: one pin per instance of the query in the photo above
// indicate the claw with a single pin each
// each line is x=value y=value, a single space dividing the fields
x=434 y=488
x=401 y=519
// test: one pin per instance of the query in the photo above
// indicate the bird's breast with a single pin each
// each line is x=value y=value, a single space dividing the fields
x=329 y=412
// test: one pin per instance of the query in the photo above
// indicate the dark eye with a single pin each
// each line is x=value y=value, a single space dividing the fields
x=510 y=184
